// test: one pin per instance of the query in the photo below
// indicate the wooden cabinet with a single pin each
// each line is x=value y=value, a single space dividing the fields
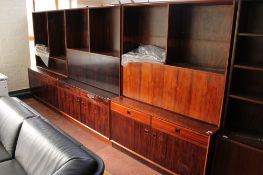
x=43 y=87
x=69 y=103
x=123 y=133
x=233 y=157
x=95 y=114
x=182 y=153
x=184 y=157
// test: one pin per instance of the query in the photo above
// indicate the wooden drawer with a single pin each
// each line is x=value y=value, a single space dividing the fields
x=175 y=130
x=131 y=113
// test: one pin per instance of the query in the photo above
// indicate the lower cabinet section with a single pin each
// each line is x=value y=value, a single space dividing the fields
x=95 y=114
x=88 y=109
x=232 y=157
x=177 y=155
x=69 y=103
x=44 y=88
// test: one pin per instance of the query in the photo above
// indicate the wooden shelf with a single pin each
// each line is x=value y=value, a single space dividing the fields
x=79 y=49
x=110 y=53
x=77 y=28
x=253 y=141
x=199 y=40
x=250 y=34
x=59 y=58
x=249 y=67
x=201 y=68
x=105 y=33
x=145 y=24
x=247 y=98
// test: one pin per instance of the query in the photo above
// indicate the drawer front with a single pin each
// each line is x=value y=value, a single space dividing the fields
x=180 y=132
x=131 y=113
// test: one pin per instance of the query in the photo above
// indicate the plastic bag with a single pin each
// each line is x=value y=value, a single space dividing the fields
x=43 y=52
x=145 y=53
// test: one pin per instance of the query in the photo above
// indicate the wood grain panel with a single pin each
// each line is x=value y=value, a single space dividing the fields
x=184 y=158
x=197 y=94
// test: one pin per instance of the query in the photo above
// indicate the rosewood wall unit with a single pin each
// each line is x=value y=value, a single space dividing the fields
x=166 y=114
x=83 y=73
x=243 y=117
x=172 y=109
x=85 y=104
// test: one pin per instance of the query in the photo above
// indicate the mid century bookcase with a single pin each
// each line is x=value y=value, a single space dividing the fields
x=163 y=114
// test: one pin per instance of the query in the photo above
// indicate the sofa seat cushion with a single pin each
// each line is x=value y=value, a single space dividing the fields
x=4 y=155
x=11 y=167
x=43 y=150
x=12 y=115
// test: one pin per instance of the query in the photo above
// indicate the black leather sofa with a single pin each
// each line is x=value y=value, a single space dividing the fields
x=30 y=145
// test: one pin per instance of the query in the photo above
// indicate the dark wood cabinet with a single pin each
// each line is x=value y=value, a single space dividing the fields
x=124 y=132
x=233 y=157
x=95 y=114
x=44 y=88
x=183 y=157
x=69 y=103
x=180 y=150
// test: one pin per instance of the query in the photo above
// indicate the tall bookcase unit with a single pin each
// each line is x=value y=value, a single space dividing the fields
x=167 y=105
x=241 y=140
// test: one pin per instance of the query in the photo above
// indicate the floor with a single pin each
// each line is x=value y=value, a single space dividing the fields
x=116 y=162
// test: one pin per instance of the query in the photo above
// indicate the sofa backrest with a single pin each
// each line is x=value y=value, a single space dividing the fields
x=12 y=115
x=43 y=150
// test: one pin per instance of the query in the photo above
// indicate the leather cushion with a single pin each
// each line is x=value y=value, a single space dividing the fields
x=12 y=114
x=42 y=150
x=4 y=155
x=11 y=167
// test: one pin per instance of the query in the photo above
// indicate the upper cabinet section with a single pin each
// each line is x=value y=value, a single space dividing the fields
x=77 y=29
x=105 y=30
x=145 y=24
x=199 y=36
x=56 y=33
x=40 y=28
x=251 y=15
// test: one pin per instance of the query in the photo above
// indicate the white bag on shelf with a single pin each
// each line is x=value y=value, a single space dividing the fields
x=43 y=52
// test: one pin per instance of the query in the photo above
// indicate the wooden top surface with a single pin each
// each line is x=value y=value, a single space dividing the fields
x=90 y=89
x=174 y=118
x=80 y=86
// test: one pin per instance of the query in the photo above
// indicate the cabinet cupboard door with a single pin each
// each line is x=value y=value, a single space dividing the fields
x=69 y=103
x=142 y=136
x=184 y=158
x=95 y=114
x=43 y=88
x=158 y=147
x=122 y=130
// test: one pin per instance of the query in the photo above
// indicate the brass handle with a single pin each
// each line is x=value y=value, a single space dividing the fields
x=177 y=130
x=146 y=131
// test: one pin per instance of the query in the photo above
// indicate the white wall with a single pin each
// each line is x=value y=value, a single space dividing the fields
x=14 y=48
x=83 y=3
